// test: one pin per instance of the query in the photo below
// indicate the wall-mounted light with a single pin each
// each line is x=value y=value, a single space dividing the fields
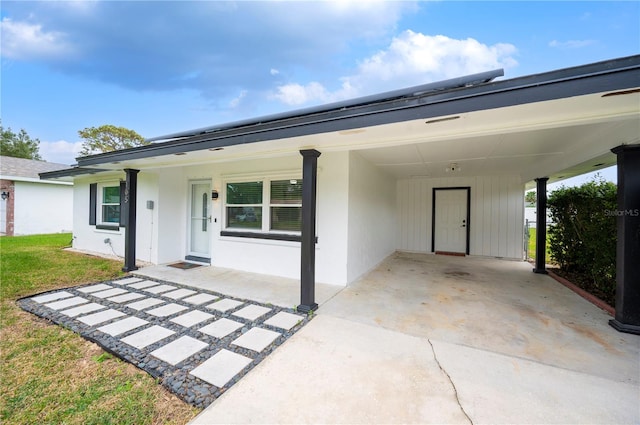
x=5 y=196
x=214 y=195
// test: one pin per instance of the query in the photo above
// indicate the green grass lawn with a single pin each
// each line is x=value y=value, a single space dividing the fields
x=531 y=252
x=50 y=375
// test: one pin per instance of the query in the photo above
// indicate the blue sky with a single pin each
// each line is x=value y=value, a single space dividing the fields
x=161 y=67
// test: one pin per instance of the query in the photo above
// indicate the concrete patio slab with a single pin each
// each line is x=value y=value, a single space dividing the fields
x=148 y=336
x=109 y=293
x=159 y=289
x=221 y=367
x=508 y=389
x=337 y=371
x=52 y=297
x=100 y=317
x=266 y=289
x=200 y=299
x=192 y=318
x=126 y=297
x=127 y=280
x=251 y=312
x=283 y=320
x=256 y=339
x=146 y=303
x=179 y=293
x=221 y=328
x=83 y=309
x=144 y=284
x=179 y=350
x=95 y=288
x=224 y=305
x=122 y=326
x=167 y=310
x=66 y=303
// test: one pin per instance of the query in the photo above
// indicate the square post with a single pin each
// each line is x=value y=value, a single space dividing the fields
x=627 y=318
x=541 y=225
x=308 y=244
x=129 y=213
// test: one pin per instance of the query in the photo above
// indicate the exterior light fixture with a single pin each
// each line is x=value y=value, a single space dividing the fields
x=5 y=196
x=453 y=168
x=214 y=195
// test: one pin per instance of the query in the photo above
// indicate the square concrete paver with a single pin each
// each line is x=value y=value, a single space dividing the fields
x=284 y=320
x=179 y=293
x=224 y=305
x=167 y=310
x=221 y=368
x=122 y=326
x=252 y=312
x=100 y=317
x=127 y=281
x=159 y=289
x=192 y=318
x=144 y=284
x=83 y=309
x=66 y=303
x=52 y=297
x=126 y=297
x=221 y=328
x=200 y=299
x=109 y=293
x=146 y=303
x=147 y=336
x=256 y=339
x=179 y=350
x=94 y=288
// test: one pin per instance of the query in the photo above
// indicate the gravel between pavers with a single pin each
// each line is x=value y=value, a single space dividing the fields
x=176 y=379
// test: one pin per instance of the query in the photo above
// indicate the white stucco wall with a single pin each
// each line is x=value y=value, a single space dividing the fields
x=42 y=208
x=372 y=216
x=88 y=238
x=497 y=214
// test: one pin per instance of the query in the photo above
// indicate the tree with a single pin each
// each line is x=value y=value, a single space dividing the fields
x=19 y=145
x=108 y=138
x=530 y=197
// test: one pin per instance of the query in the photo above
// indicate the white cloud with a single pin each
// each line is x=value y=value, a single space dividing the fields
x=571 y=44
x=23 y=40
x=274 y=71
x=236 y=101
x=61 y=152
x=411 y=59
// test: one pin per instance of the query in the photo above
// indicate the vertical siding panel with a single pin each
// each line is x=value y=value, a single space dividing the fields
x=495 y=216
x=423 y=215
x=486 y=212
x=504 y=209
x=477 y=217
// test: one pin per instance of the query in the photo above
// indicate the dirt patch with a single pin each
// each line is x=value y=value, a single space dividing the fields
x=457 y=273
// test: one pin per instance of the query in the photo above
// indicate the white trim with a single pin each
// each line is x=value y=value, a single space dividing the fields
x=190 y=184
x=34 y=180
x=99 y=203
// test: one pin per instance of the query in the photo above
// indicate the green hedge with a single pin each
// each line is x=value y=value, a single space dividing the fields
x=582 y=240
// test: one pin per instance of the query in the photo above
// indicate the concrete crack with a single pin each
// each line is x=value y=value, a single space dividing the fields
x=455 y=391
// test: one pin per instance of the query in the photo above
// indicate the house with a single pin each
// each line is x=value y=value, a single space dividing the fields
x=30 y=205
x=326 y=193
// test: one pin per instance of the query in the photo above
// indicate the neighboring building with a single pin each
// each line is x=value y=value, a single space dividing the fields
x=30 y=205
x=441 y=167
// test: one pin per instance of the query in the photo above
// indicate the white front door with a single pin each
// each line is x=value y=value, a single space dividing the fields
x=450 y=221
x=200 y=219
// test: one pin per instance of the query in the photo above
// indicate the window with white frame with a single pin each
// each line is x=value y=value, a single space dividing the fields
x=109 y=203
x=266 y=205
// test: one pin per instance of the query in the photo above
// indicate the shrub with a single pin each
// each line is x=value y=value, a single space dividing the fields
x=583 y=238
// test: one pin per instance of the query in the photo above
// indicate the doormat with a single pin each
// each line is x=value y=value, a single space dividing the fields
x=184 y=265
x=455 y=254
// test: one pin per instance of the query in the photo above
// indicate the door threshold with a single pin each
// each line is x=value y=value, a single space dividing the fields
x=455 y=254
x=198 y=260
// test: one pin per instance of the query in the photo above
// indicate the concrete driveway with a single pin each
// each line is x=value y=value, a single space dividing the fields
x=433 y=339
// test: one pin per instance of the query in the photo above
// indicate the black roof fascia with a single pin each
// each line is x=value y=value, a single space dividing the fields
x=616 y=74
x=69 y=172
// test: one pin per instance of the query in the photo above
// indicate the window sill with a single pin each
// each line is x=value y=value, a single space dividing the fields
x=107 y=227
x=289 y=237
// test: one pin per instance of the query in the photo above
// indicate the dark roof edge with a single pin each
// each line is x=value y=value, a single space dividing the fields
x=69 y=172
x=465 y=81
x=617 y=73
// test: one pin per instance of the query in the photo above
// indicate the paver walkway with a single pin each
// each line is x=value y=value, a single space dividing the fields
x=197 y=342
